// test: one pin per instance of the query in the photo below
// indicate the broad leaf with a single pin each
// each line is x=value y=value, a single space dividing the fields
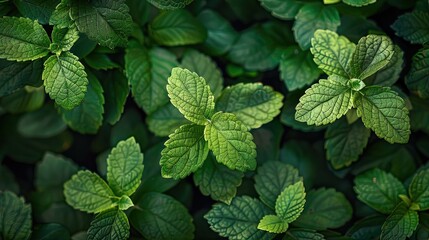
x=283 y=9
x=419 y=190
x=15 y=220
x=416 y=79
x=304 y=234
x=100 y=61
x=165 y=120
x=22 y=39
x=60 y=16
x=16 y=75
x=358 y=3
x=170 y=4
x=42 y=123
x=290 y=202
x=413 y=27
x=53 y=171
x=40 y=10
x=184 y=152
x=63 y=39
x=110 y=225
x=231 y=142
x=273 y=224
x=50 y=231
x=390 y=73
x=400 y=224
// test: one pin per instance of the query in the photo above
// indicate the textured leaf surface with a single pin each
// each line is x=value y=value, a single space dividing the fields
x=22 y=39
x=273 y=224
x=231 y=142
x=383 y=111
x=63 y=38
x=60 y=16
x=40 y=10
x=379 y=190
x=184 y=152
x=253 y=104
x=170 y=4
x=190 y=94
x=419 y=190
x=65 y=80
x=239 y=220
x=358 y=3
x=53 y=171
x=165 y=120
x=16 y=75
x=15 y=220
x=110 y=225
x=283 y=9
x=324 y=102
x=413 y=27
x=389 y=74
x=416 y=79
x=290 y=202
x=400 y=224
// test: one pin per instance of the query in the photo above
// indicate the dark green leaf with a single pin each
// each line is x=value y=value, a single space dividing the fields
x=42 y=123
x=53 y=171
x=283 y=9
x=170 y=4
x=416 y=79
x=116 y=92
x=419 y=190
x=110 y=225
x=400 y=224
x=16 y=75
x=165 y=120
x=50 y=231
x=413 y=27
x=15 y=221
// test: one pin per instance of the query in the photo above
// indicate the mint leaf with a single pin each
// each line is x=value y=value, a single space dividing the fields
x=239 y=220
x=15 y=221
x=40 y=10
x=170 y=4
x=107 y=22
x=303 y=234
x=413 y=26
x=273 y=224
x=110 y=224
x=231 y=142
x=253 y=103
x=100 y=61
x=53 y=171
x=165 y=120
x=184 y=152
x=217 y=181
x=325 y=101
x=124 y=202
x=290 y=202
x=419 y=190
x=379 y=190
x=383 y=111
x=358 y=3
x=63 y=39
x=116 y=90
x=400 y=224
x=22 y=39
x=45 y=122
x=16 y=75
x=332 y=53
x=283 y=9
x=60 y=16
x=389 y=74
x=312 y=17
x=65 y=80
x=171 y=221
x=87 y=192
x=190 y=94
x=416 y=79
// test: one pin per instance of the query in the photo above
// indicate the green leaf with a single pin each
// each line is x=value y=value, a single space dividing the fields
x=22 y=39
x=42 y=123
x=53 y=171
x=26 y=99
x=171 y=221
x=272 y=178
x=170 y=4
x=290 y=202
x=372 y=53
x=379 y=190
x=125 y=167
x=165 y=120
x=217 y=181
x=231 y=142
x=419 y=190
x=16 y=75
x=253 y=104
x=358 y=3
x=63 y=39
x=87 y=192
x=303 y=234
x=124 y=202
x=416 y=79
x=50 y=231
x=65 y=80
x=7 y=180
x=273 y=224
x=107 y=22
x=110 y=224
x=413 y=26
x=312 y=17
x=344 y=142
x=283 y=9
x=332 y=53
x=15 y=222
x=400 y=224
x=60 y=16
x=239 y=220
x=184 y=152
x=176 y=28
x=325 y=208
x=100 y=61
x=116 y=92
x=325 y=101
x=389 y=74
x=383 y=111
x=190 y=94
x=40 y=10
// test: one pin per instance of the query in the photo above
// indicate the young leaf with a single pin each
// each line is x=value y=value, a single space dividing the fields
x=110 y=224
x=290 y=202
x=413 y=27
x=332 y=53
x=15 y=220
x=184 y=152
x=400 y=224
x=325 y=101
x=65 y=80
x=22 y=39
x=170 y=4
x=125 y=167
x=379 y=190
x=419 y=190
x=416 y=79
x=273 y=224
x=190 y=94
x=383 y=111
x=87 y=192
x=358 y=3
x=60 y=16
x=107 y=22
x=63 y=39
x=53 y=171
x=239 y=220
x=16 y=75
x=165 y=120
x=283 y=9
x=231 y=142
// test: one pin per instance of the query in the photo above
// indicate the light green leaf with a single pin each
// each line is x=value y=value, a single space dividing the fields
x=413 y=26
x=372 y=53
x=332 y=53
x=239 y=220
x=22 y=39
x=312 y=17
x=15 y=221
x=389 y=74
x=416 y=79
x=170 y=4
x=107 y=22
x=63 y=39
x=124 y=202
x=65 y=80
x=231 y=142
x=379 y=190
x=165 y=120
x=358 y=3
x=184 y=152
x=283 y=9
x=60 y=16
x=190 y=94
x=419 y=190
x=325 y=101
x=16 y=75
x=400 y=224
x=176 y=28
x=125 y=167
x=273 y=224
x=217 y=181
x=53 y=171
x=383 y=111
x=253 y=103
x=110 y=225
x=87 y=192
x=171 y=221
x=290 y=202
x=272 y=178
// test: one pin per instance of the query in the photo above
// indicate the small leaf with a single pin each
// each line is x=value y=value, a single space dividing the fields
x=400 y=224
x=63 y=39
x=283 y=9
x=358 y=3
x=110 y=225
x=125 y=202
x=15 y=221
x=290 y=202
x=170 y=4
x=165 y=120
x=416 y=79
x=413 y=26
x=419 y=190
x=273 y=224
x=53 y=171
